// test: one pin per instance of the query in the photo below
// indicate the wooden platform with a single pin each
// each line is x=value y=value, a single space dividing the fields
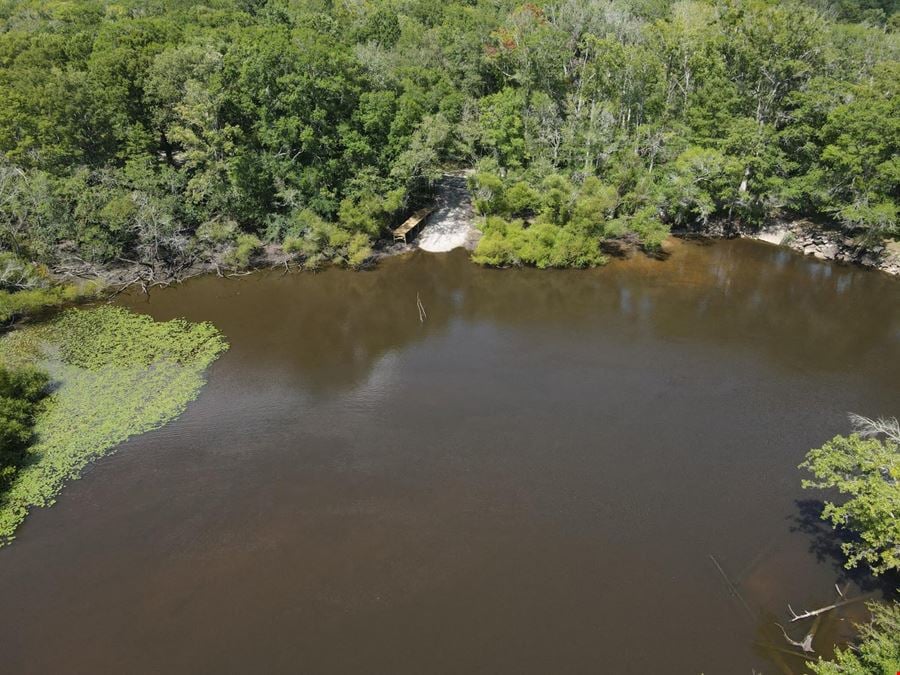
x=411 y=223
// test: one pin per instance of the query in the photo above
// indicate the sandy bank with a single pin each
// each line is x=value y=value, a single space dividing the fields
x=452 y=224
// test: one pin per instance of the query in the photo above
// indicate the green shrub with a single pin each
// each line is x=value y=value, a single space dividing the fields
x=557 y=197
x=593 y=207
x=575 y=249
x=498 y=246
x=302 y=222
x=487 y=189
x=240 y=255
x=359 y=250
x=368 y=212
x=494 y=249
x=318 y=242
x=294 y=245
x=878 y=221
x=522 y=199
x=21 y=390
x=217 y=231
x=542 y=245
x=648 y=227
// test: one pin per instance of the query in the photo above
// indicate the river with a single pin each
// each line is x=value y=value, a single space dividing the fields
x=543 y=476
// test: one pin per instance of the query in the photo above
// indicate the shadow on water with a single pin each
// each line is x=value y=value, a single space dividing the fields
x=826 y=542
x=775 y=631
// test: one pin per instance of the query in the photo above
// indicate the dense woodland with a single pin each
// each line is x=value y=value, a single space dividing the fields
x=164 y=132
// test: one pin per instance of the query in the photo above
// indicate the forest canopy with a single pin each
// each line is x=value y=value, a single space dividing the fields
x=163 y=131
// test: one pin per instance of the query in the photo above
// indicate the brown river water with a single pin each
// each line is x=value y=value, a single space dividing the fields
x=544 y=476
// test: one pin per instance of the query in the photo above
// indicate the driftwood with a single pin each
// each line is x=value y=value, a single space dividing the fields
x=731 y=587
x=124 y=287
x=421 y=308
x=816 y=612
x=805 y=644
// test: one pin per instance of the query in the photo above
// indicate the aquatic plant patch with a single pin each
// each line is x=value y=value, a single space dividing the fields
x=115 y=374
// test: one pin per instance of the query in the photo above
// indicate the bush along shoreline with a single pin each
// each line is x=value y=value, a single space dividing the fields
x=112 y=374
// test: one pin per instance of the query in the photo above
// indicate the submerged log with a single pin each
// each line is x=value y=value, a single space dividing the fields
x=816 y=612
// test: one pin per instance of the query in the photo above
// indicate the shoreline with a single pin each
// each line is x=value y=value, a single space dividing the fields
x=808 y=239
x=801 y=236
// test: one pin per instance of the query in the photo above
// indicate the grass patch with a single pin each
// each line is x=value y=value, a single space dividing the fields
x=114 y=374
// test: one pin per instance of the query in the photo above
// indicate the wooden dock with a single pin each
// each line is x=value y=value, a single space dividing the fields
x=411 y=223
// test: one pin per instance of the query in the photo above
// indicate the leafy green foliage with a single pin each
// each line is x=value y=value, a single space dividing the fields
x=542 y=244
x=865 y=466
x=115 y=374
x=17 y=274
x=564 y=224
x=240 y=255
x=867 y=471
x=319 y=241
x=20 y=392
x=863 y=146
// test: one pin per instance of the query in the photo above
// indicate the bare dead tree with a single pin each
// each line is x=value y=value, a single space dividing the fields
x=867 y=427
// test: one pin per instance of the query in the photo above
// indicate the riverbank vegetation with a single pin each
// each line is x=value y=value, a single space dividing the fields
x=865 y=467
x=21 y=391
x=168 y=135
x=111 y=373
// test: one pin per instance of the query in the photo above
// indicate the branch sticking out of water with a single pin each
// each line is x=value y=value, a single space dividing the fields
x=815 y=612
x=731 y=586
x=421 y=308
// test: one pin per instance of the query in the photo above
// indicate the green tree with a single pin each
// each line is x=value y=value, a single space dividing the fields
x=503 y=129
x=865 y=467
x=862 y=153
